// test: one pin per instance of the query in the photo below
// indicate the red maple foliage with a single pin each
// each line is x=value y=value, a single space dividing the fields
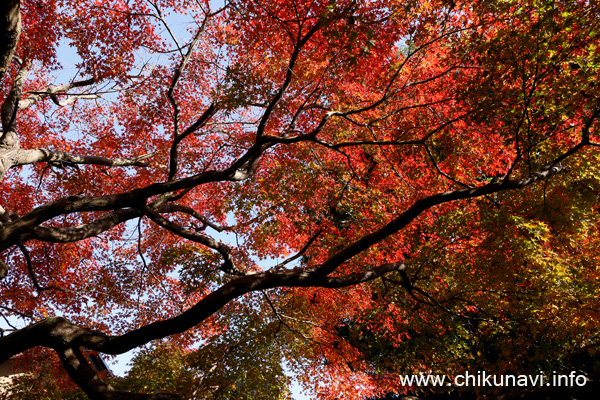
x=379 y=187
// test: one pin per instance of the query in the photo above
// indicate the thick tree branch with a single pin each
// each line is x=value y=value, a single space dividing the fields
x=10 y=31
x=106 y=222
x=10 y=106
x=137 y=198
x=59 y=333
x=82 y=374
x=80 y=232
x=24 y=157
x=80 y=371
x=12 y=155
x=54 y=91
x=431 y=201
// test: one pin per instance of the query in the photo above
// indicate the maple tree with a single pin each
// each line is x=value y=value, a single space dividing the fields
x=356 y=189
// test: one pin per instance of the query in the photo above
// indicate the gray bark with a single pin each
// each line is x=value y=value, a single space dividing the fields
x=10 y=31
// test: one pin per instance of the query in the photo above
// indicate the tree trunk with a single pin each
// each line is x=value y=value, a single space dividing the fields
x=10 y=30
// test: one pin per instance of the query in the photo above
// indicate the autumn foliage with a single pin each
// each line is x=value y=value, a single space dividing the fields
x=342 y=190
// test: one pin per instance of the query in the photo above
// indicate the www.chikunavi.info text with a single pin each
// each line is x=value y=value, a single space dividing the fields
x=483 y=379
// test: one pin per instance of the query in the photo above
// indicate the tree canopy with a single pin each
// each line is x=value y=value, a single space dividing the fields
x=351 y=190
